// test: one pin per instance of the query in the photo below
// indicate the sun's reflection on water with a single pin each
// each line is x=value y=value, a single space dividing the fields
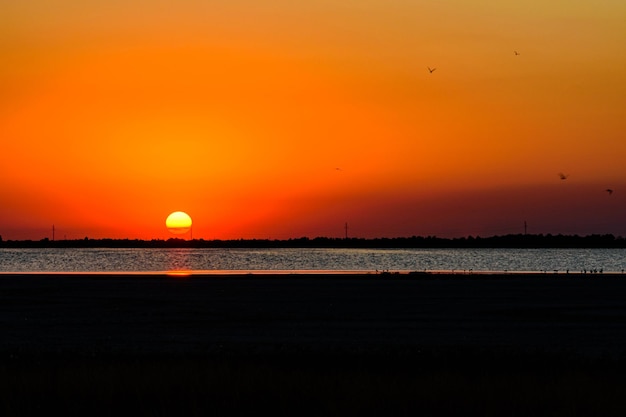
x=179 y=273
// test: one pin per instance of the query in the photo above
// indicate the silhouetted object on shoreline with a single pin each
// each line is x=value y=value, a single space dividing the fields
x=563 y=176
x=525 y=228
x=431 y=70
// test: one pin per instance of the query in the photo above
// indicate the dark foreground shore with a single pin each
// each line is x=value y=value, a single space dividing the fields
x=313 y=345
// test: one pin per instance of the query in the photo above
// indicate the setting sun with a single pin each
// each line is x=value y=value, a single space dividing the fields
x=178 y=222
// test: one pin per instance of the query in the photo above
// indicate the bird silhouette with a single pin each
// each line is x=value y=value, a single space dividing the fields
x=563 y=176
x=431 y=70
x=516 y=53
x=608 y=190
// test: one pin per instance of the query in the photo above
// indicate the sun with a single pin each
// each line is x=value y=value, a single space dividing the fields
x=178 y=222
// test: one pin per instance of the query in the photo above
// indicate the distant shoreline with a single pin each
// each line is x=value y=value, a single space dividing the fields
x=323 y=275
x=513 y=241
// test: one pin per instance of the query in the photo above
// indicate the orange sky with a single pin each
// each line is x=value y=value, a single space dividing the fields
x=279 y=119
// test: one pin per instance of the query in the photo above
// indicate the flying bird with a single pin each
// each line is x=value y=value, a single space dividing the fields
x=431 y=70
x=608 y=190
x=516 y=53
x=563 y=176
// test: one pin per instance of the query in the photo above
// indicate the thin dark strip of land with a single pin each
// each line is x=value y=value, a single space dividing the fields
x=504 y=241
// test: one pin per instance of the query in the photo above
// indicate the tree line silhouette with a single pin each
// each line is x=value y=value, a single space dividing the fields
x=505 y=241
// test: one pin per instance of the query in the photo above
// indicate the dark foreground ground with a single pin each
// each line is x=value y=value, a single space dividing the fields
x=307 y=345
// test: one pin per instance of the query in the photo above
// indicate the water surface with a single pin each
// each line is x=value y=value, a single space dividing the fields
x=339 y=260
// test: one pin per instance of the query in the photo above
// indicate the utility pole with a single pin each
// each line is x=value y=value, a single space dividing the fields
x=53 y=233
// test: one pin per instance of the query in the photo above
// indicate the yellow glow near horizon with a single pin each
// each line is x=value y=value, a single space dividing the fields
x=178 y=222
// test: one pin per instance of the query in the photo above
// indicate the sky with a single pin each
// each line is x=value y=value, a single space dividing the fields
x=282 y=119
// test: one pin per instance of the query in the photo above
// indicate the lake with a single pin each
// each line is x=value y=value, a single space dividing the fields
x=140 y=260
